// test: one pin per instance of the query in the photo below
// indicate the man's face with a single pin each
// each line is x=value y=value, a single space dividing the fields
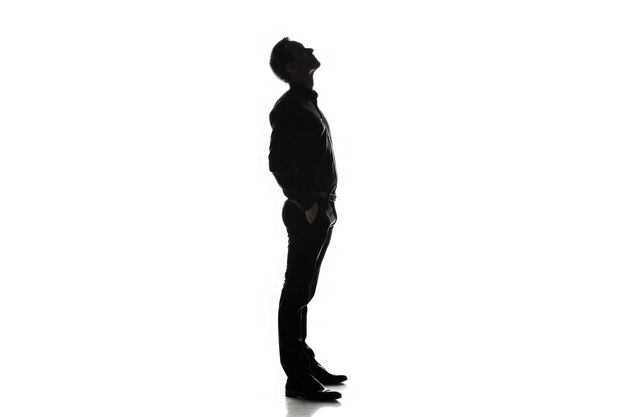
x=303 y=59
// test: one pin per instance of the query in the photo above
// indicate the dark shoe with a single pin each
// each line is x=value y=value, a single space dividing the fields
x=325 y=377
x=309 y=389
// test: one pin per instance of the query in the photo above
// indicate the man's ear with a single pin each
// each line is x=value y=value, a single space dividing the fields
x=290 y=68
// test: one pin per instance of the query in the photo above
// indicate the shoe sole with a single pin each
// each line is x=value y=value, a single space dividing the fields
x=292 y=394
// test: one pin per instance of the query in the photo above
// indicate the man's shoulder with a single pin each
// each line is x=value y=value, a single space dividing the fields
x=286 y=100
x=286 y=105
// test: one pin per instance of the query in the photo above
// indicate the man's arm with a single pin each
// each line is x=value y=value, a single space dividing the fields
x=287 y=159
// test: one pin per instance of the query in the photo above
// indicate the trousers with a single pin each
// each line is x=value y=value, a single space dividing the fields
x=307 y=246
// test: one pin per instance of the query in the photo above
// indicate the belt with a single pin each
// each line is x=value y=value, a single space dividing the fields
x=324 y=195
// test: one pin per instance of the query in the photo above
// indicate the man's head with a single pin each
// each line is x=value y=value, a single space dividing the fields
x=290 y=59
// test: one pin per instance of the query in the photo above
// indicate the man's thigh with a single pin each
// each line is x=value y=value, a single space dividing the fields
x=306 y=240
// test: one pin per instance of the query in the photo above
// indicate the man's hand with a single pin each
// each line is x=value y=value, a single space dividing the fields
x=311 y=213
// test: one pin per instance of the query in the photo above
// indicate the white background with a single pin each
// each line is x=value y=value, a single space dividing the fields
x=477 y=266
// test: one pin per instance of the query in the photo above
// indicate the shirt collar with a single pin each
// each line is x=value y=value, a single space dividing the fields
x=302 y=91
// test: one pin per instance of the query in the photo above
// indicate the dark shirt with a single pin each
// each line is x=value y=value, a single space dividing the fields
x=301 y=150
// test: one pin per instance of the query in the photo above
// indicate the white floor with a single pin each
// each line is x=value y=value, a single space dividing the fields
x=416 y=336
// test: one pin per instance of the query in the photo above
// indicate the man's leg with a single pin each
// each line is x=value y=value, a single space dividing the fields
x=308 y=351
x=306 y=242
x=317 y=370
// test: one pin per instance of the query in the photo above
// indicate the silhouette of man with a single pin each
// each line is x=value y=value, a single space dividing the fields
x=302 y=161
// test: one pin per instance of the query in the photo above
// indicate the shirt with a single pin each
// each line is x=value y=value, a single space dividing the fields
x=301 y=150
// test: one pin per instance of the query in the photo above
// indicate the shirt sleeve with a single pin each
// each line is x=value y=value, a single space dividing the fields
x=287 y=156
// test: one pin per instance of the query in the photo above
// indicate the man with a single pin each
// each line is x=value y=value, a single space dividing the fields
x=301 y=158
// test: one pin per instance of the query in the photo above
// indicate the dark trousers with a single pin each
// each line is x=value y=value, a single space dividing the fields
x=307 y=246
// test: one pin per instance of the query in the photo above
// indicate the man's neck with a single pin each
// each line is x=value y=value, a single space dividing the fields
x=306 y=81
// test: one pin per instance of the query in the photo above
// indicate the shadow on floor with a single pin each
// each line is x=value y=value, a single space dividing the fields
x=303 y=408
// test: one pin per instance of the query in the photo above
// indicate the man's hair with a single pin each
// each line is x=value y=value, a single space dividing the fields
x=281 y=56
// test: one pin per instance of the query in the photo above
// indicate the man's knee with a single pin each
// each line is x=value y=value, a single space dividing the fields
x=294 y=297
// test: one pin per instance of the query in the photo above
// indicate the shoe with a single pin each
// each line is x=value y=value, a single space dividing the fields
x=325 y=377
x=310 y=388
